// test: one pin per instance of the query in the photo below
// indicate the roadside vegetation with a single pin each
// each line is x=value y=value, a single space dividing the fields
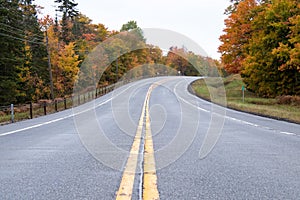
x=261 y=42
x=282 y=107
x=41 y=59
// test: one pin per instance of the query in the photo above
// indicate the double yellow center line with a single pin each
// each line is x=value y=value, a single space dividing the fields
x=150 y=190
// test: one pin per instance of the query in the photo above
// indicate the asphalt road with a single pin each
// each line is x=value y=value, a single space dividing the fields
x=202 y=151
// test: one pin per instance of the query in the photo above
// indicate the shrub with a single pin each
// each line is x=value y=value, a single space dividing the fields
x=288 y=99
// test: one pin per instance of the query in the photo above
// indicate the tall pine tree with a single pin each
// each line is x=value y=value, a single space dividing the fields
x=11 y=49
x=68 y=8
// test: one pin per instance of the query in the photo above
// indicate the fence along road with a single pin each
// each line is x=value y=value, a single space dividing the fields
x=255 y=157
x=44 y=107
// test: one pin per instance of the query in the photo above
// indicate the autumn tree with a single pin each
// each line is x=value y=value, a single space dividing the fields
x=122 y=53
x=68 y=67
x=271 y=67
x=237 y=35
x=176 y=59
x=87 y=35
x=64 y=63
x=35 y=66
x=261 y=42
x=288 y=52
x=186 y=62
x=126 y=50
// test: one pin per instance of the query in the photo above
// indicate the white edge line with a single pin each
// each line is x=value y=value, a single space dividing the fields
x=102 y=103
x=54 y=120
x=287 y=133
x=227 y=117
x=62 y=118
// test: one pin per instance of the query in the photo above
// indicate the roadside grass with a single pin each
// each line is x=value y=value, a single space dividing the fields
x=269 y=107
x=18 y=117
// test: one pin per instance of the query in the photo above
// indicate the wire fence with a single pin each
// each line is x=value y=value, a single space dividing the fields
x=13 y=113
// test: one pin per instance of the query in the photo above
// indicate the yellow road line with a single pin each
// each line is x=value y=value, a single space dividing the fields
x=150 y=190
x=126 y=186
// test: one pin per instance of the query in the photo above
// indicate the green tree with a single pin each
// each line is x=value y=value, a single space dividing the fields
x=12 y=37
x=68 y=8
x=132 y=26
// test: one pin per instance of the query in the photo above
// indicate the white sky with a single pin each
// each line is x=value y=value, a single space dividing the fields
x=200 y=20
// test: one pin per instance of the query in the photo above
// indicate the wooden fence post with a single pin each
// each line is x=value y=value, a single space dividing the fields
x=30 y=110
x=55 y=105
x=45 y=109
x=65 y=103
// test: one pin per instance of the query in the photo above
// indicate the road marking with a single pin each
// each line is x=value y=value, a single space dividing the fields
x=126 y=186
x=54 y=120
x=62 y=118
x=34 y=126
x=149 y=174
x=150 y=190
x=227 y=117
x=287 y=133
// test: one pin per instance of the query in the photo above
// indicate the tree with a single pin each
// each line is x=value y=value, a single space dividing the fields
x=261 y=42
x=176 y=58
x=237 y=35
x=288 y=52
x=272 y=66
x=187 y=63
x=81 y=26
x=132 y=26
x=12 y=50
x=35 y=52
x=87 y=35
x=68 y=66
x=232 y=8
x=68 y=8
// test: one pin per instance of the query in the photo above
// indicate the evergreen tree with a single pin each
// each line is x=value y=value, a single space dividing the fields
x=12 y=39
x=35 y=48
x=68 y=8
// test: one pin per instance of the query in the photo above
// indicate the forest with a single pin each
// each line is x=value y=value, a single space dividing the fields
x=42 y=58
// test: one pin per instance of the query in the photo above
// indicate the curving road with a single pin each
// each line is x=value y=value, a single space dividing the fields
x=145 y=143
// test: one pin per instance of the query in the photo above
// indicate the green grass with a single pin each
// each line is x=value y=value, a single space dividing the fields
x=269 y=107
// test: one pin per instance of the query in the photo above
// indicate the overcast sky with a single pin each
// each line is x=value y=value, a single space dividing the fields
x=200 y=20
